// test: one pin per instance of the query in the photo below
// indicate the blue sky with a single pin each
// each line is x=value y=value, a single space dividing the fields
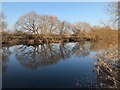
x=91 y=12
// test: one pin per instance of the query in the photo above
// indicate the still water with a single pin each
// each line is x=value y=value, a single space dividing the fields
x=50 y=65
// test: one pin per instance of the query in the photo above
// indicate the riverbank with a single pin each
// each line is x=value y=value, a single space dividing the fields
x=17 y=41
x=108 y=65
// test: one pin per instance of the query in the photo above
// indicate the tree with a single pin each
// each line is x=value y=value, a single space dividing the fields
x=53 y=23
x=64 y=28
x=114 y=10
x=29 y=22
x=3 y=23
x=43 y=24
x=49 y=24
x=80 y=28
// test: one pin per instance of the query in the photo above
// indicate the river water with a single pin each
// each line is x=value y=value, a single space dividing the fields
x=60 y=65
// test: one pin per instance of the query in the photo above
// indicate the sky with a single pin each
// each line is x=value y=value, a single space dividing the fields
x=91 y=12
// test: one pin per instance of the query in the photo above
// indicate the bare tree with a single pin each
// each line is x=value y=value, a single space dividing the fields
x=114 y=10
x=43 y=24
x=3 y=23
x=29 y=22
x=80 y=28
x=53 y=24
x=64 y=28
x=49 y=24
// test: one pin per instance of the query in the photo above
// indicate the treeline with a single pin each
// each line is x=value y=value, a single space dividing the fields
x=34 y=28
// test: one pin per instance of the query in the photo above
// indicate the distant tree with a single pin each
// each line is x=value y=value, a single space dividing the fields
x=43 y=24
x=29 y=23
x=53 y=24
x=64 y=28
x=80 y=28
x=3 y=23
x=49 y=24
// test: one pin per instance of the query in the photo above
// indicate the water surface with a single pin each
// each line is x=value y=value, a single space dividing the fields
x=50 y=65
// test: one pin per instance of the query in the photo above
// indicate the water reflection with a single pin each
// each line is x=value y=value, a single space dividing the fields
x=41 y=55
x=34 y=57
x=5 y=52
x=81 y=48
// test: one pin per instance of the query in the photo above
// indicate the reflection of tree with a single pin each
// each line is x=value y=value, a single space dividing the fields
x=64 y=51
x=81 y=49
x=5 y=53
x=41 y=55
x=46 y=54
x=28 y=56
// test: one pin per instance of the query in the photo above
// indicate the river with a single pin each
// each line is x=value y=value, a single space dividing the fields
x=55 y=65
